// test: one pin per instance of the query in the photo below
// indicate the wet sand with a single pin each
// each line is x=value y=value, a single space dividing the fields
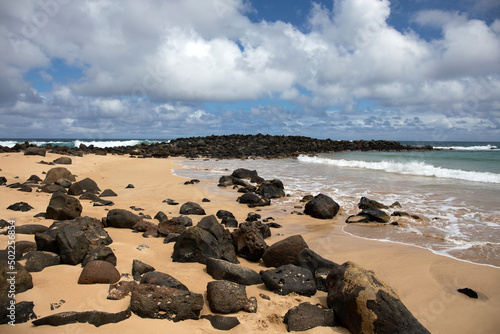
x=425 y=282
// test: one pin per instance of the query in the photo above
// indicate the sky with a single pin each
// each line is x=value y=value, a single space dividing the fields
x=162 y=69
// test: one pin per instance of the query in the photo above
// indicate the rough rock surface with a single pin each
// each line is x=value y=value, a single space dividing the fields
x=288 y=279
x=23 y=313
x=62 y=207
x=58 y=173
x=249 y=241
x=160 y=302
x=22 y=280
x=121 y=218
x=364 y=304
x=228 y=297
x=306 y=316
x=38 y=260
x=162 y=279
x=191 y=208
x=96 y=318
x=96 y=272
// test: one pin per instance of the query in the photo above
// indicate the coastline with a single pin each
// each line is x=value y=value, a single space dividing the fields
x=425 y=282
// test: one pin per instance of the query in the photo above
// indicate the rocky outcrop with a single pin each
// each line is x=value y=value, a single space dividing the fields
x=364 y=304
x=322 y=207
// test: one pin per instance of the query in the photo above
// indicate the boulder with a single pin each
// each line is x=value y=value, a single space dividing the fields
x=229 y=222
x=3 y=180
x=224 y=270
x=162 y=279
x=20 y=206
x=170 y=226
x=161 y=216
x=184 y=220
x=308 y=259
x=63 y=183
x=34 y=179
x=96 y=318
x=228 y=297
x=253 y=200
x=322 y=207
x=75 y=189
x=41 y=151
x=243 y=173
x=73 y=239
x=284 y=251
x=23 y=313
x=289 y=279
x=120 y=218
x=22 y=280
x=88 y=184
x=368 y=203
x=103 y=253
x=97 y=271
x=30 y=228
x=271 y=189
x=139 y=268
x=249 y=241
x=191 y=208
x=63 y=207
x=38 y=260
x=58 y=173
x=223 y=213
x=161 y=302
x=196 y=245
x=52 y=188
x=223 y=236
x=23 y=247
x=364 y=304
x=63 y=161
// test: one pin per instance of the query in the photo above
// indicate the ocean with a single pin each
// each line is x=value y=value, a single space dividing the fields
x=455 y=191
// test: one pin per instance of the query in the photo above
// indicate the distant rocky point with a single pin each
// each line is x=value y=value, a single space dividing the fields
x=227 y=147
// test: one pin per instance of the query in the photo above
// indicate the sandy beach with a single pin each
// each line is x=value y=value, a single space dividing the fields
x=425 y=282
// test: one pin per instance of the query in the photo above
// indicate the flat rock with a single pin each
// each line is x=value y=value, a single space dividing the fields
x=96 y=318
x=120 y=290
x=63 y=161
x=307 y=316
x=162 y=279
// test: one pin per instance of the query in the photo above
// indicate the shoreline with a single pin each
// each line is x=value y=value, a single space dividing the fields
x=426 y=282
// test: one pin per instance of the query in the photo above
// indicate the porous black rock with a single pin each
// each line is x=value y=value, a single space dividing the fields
x=162 y=279
x=284 y=251
x=306 y=316
x=224 y=270
x=289 y=279
x=228 y=297
x=20 y=206
x=139 y=268
x=23 y=312
x=249 y=241
x=96 y=318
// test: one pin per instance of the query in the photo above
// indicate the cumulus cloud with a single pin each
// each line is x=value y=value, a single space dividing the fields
x=152 y=66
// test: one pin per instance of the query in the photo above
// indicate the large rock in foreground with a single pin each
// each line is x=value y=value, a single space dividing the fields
x=322 y=207
x=161 y=302
x=307 y=316
x=364 y=304
x=284 y=251
x=96 y=318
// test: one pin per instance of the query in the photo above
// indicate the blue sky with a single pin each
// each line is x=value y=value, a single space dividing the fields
x=344 y=69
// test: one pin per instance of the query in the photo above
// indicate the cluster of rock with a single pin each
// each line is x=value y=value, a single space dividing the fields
x=224 y=147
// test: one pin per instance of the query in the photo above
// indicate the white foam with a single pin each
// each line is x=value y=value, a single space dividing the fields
x=408 y=168
x=467 y=148
x=8 y=143
x=105 y=143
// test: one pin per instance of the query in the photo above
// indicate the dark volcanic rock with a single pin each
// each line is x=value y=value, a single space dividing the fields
x=88 y=184
x=102 y=253
x=368 y=203
x=228 y=297
x=191 y=208
x=139 y=268
x=224 y=270
x=221 y=323
x=62 y=206
x=120 y=218
x=469 y=292
x=96 y=318
x=364 y=304
x=97 y=271
x=271 y=189
x=23 y=247
x=195 y=245
x=23 y=313
x=223 y=236
x=243 y=173
x=22 y=280
x=289 y=278
x=38 y=260
x=253 y=200
x=322 y=207
x=162 y=279
x=75 y=189
x=52 y=188
x=35 y=151
x=308 y=259
x=30 y=228
x=160 y=302
x=284 y=251
x=108 y=193
x=20 y=206
x=120 y=290
x=3 y=180
x=249 y=241
x=307 y=316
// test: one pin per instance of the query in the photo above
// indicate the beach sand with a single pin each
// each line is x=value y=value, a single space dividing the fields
x=426 y=283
